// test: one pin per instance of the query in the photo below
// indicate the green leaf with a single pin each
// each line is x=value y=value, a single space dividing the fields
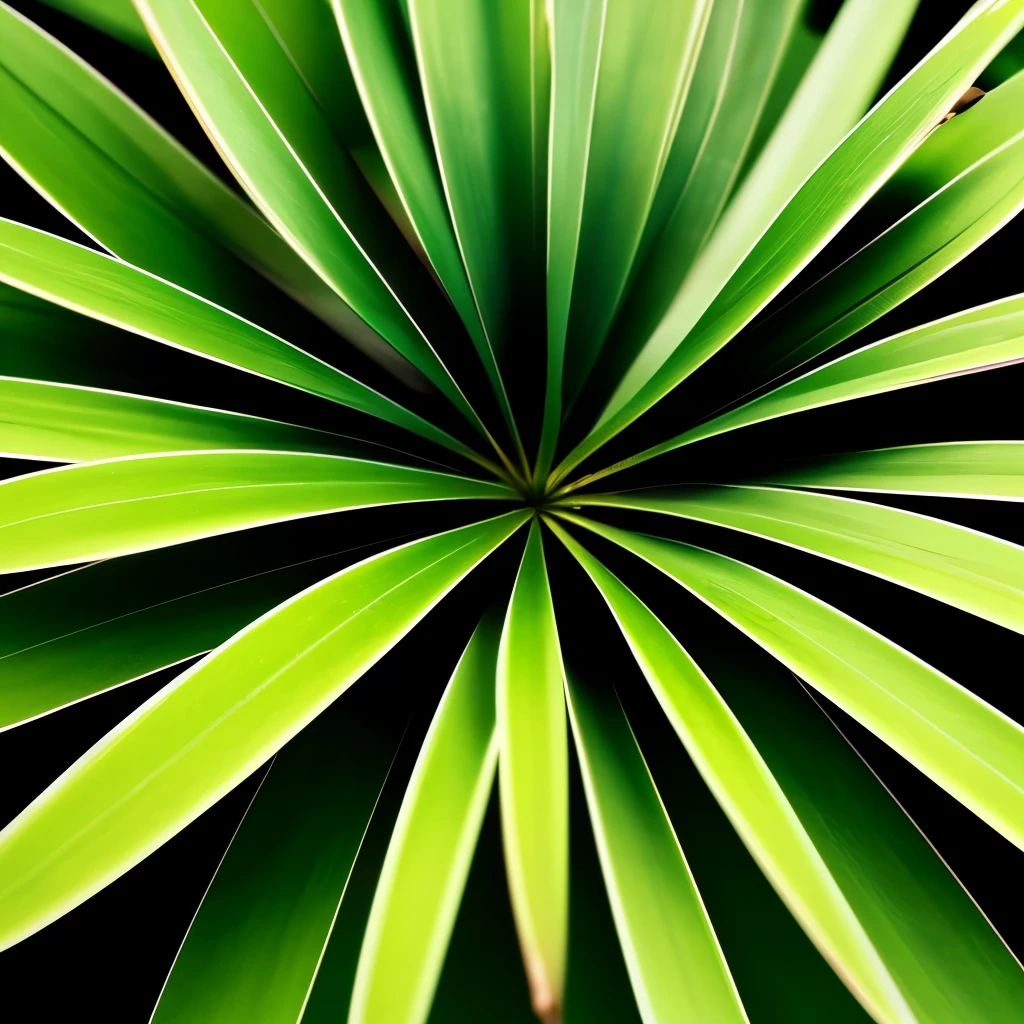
x=201 y=735
x=735 y=70
x=124 y=296
x=969 y=748
x=935 y=941
x=81 y=632
x=747 y=791
x=61 y=423
x=966 y=569
x=983 y=338
x=117 y=506
x=533 y=778
x=256 y=942
x=429 y=857
x=968 y=469
x=840 y=186
x=674 y=961
x=253 y=103
x=125 y=182
x=380 y=54
x=975 y=166
x=115 y=17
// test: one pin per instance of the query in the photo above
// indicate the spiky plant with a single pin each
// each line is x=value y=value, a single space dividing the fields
x=584 y=253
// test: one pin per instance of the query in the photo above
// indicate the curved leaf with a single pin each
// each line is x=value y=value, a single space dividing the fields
x=124 y=181
x=962 y=469
x=201 y=735
x=533 y=775
x=966 y=569
x=675 y=963
x=829 y=198
x=62 y=423
x=114 y=292
x=104 y=509
x=115 y=17
x=428 y=859
x=748 y=793
x=255 y=944
x=969 y=748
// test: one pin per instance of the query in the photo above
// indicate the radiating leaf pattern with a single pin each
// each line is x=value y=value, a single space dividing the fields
x=550 y=623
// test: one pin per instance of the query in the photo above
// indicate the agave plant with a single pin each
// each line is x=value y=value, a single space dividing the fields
x=569 y=298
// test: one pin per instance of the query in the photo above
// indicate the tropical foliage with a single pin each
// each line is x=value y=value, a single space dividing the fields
x=532 y=338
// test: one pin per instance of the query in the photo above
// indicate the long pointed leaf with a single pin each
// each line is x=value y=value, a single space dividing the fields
x=201 y=735
x=674 y=960
x=429 y=857
x=533 y=777
x=114 y=507
x=117 y=18
x=966 y=569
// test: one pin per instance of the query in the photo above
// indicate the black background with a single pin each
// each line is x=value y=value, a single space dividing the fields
x=109 y=957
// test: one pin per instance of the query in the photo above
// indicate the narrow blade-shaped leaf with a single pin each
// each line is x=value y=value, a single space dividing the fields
x=533 y=777
x=674 y=960
x=965 y=745
x=973 y=571
x=256 y=941
x=429 y=856
x=201 y=735
x=115 y=17
x=117 y=506
x=960 y=469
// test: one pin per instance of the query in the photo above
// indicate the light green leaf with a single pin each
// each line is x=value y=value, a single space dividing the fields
x=735 y=70
x=983 y=338
x=253 y=103
x=965 y=745
x=971 y=171
x=256 y=942
x=747 y=791
x=61 y=423
x=124 y=181
x=675 y=963
x=115 y=17
x=124 y=296
x=839 y=187
x=429 y=857
x=117 y=506
x=533 y=775
x=935 y=941
x=85 y=631
x=201 y=735
x=966 y=569
x=380 y=54
x=968 y=469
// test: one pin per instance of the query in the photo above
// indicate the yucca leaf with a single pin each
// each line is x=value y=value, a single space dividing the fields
x=380 y=53
x=118 y=506
x=735 y=70
x=127 y=183
x=674 y=960
x=197 y=738
x=255 y=107
x=748 y=793
x=126 y=297
x=533 y=778
x=839 y=187
x=965 y=745
x=254 y=947
x=968 y=469
x=429 y=856
x=117 y=18
x=975 y=163
x=936 y=943
x=60 y=423
x=984 y=338
x=966 y=569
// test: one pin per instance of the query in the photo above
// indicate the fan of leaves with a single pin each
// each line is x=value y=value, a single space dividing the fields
x=566 y=240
